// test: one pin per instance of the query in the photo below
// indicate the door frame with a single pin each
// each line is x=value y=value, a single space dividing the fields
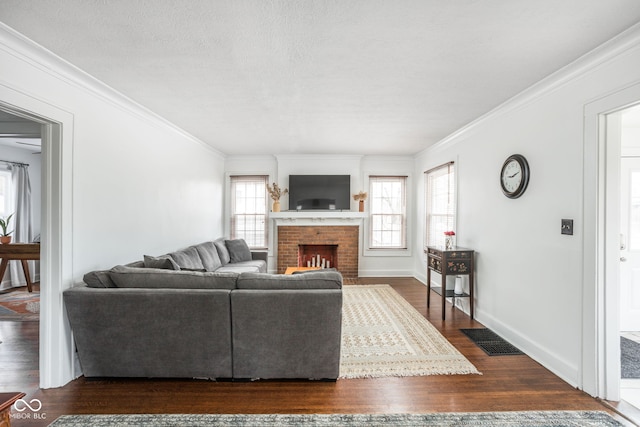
x=600 y=374
x=56 y=350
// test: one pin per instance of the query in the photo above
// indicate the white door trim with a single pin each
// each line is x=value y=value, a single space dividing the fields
x=56 y=353
x=600 y=249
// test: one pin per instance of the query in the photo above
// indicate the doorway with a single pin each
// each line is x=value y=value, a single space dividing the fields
x=628 y=121
x=56 y=351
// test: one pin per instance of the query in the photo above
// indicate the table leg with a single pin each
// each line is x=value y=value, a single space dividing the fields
x=27 y=276
x=3 y=267
x=444 y=292
x=471 y=301
x=428 y=286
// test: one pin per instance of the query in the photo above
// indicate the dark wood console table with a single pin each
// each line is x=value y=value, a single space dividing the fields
x=457 y=262
x=22 y=252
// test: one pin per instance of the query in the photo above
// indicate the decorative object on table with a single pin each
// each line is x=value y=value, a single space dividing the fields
x=4 y=224
x=458 y=286
x=360 y=197
x=448 y=239
x=276 y=192
x=514 y=176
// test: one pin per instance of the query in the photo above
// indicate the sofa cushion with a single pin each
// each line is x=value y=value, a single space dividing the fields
x=246 y=266
x=209 y=256
x=188 y=258
x=133 y=277
x=238 y=250
x=223 y=252
x=164 y=262
x=99 y=279
x=312 y=280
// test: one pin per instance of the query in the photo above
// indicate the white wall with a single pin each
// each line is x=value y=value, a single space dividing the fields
x=279 y=167
x=529 y=276
x=139 y=185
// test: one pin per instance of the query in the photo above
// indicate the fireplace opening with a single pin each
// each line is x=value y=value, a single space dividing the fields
x=322 y=256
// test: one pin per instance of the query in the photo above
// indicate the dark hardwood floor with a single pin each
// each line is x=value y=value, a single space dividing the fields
x=508 y=383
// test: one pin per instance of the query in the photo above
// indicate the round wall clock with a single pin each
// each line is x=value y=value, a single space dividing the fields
x=514 y=176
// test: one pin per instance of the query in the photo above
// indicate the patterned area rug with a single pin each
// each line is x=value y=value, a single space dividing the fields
x=384 y=336
x=20 y=305
x=475 y=419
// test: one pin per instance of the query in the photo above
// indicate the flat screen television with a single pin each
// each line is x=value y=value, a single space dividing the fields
x=327 y=192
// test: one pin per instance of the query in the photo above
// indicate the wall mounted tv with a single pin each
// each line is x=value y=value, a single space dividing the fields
x=327 y=192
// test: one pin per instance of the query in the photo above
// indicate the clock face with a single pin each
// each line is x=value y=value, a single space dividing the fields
x=514 y=176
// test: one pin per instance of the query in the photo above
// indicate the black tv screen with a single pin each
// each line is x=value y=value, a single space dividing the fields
x=330 y=192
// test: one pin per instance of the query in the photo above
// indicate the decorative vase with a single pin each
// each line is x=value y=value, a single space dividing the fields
x=448 y=242
x=458 y=286
x=276 y=206
x=5 y=239
x=361 y=206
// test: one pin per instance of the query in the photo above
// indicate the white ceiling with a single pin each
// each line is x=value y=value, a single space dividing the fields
x=375 y=77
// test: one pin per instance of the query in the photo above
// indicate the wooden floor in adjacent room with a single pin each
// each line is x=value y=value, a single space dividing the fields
x=508 y=383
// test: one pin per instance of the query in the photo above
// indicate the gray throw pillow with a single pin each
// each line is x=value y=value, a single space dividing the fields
x=209 y=255
x=223 y=252
x=99 y=279
x=188 y=258
x=238 y=250
x=164 y=262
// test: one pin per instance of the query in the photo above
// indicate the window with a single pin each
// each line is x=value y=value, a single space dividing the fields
x=441 y=203
x=249 y=210
x=5 y=193
x=387 y=195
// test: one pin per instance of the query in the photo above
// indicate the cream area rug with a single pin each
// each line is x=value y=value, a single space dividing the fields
x=384 y=336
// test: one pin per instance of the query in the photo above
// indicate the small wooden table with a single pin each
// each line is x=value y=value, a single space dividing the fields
x=456 y=261
x=291 y=270
x=6 y=400
x=22 y=252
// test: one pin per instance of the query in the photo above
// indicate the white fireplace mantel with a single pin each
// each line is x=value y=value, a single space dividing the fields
x=317 y=218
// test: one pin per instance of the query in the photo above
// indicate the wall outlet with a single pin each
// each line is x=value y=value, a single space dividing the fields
x=567 y=227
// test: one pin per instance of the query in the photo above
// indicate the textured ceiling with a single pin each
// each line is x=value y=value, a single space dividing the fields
x=342 y=77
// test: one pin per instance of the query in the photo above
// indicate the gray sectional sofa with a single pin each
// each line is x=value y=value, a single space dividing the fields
x=207 y=311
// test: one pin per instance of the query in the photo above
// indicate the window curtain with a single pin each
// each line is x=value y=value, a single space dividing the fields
x=22 y=219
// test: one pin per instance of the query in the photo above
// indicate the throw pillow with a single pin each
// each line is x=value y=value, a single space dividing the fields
x=164 y=262
x=223 y=252
x=99 y=279
x=238 y=250
x=188 y=258
x=209 y=255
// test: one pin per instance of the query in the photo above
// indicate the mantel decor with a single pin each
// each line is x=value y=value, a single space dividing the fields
x=275 y=192
x=360 y=197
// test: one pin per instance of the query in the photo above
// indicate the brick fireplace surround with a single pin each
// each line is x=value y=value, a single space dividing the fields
x=346 y=237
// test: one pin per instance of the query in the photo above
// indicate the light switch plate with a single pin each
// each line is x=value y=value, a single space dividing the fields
x=567 y=227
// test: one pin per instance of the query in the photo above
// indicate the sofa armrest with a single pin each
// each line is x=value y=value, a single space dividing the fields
x=259 y=255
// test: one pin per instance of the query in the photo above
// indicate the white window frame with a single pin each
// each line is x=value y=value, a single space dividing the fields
x=233 y=180
x=8 y=194
x=403 y=244
x=446 y=213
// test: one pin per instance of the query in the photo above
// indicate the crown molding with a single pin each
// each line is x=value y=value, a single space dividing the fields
x=28 y=51
x=609 y=50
